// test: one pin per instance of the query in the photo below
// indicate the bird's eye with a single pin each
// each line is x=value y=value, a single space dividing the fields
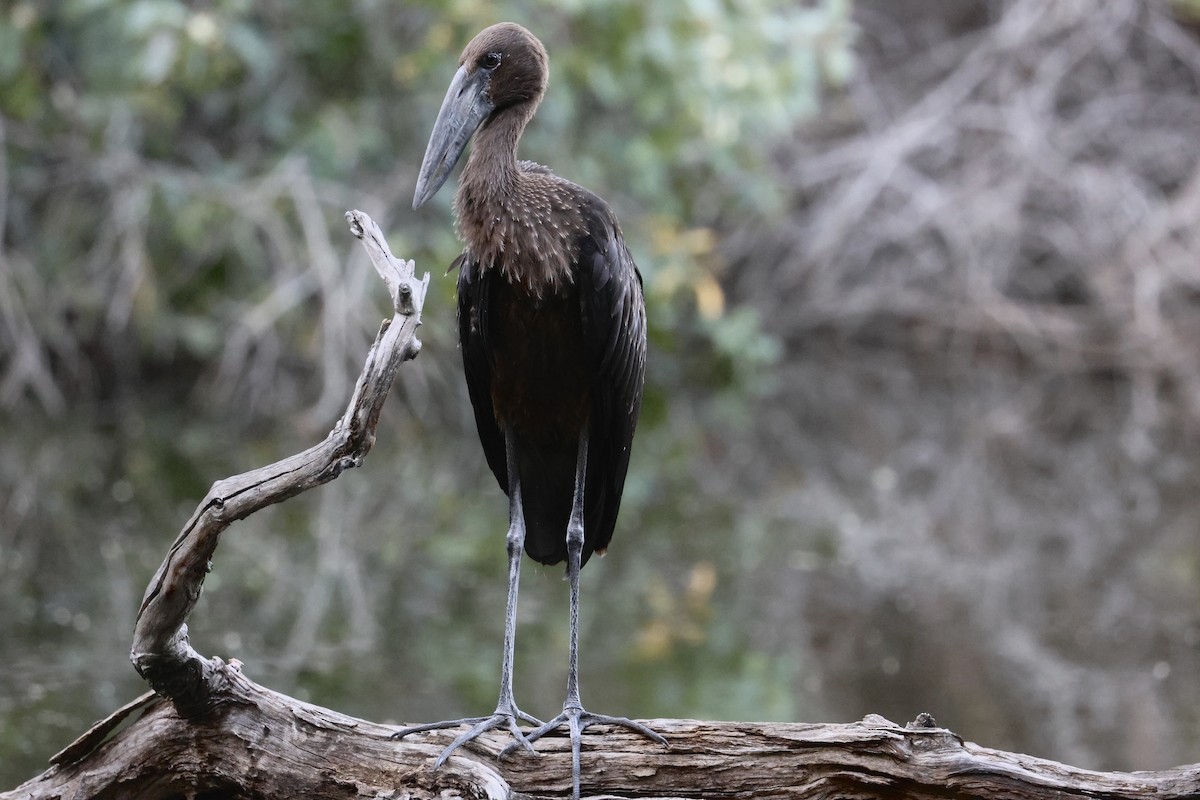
x=490 y=61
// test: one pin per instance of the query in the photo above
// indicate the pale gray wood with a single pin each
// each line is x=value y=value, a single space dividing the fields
x=255 y=742
x=161 y=651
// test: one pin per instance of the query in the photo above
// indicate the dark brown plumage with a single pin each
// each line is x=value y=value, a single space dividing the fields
x=552 y=325
x=551 y=358
x=551 y=317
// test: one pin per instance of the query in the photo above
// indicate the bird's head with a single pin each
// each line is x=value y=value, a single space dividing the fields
x=502 y=70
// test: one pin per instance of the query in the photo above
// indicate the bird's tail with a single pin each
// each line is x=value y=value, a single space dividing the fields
x=547 y=489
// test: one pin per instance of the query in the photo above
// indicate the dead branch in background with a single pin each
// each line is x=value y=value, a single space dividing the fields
x=987 y=293
x=1015 y=198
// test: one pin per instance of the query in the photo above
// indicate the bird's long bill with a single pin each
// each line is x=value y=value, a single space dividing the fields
x=465 y=108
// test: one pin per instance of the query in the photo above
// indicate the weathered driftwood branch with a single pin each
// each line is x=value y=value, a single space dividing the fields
x=161 y=652
x=211 y=732
x=253 y=742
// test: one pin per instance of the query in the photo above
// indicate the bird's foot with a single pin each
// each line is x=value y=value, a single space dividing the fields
x=577 y=721
x=503 y=716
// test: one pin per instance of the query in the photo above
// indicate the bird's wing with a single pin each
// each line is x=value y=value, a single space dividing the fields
x=473 y=295
x=614 y=332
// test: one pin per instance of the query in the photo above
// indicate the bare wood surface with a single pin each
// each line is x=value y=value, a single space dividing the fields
x=253 y=742
x=209 y=731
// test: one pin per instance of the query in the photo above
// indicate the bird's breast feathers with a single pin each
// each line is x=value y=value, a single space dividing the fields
x=528 y=232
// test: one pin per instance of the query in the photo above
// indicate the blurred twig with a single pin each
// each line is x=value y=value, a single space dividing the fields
x=989 y=296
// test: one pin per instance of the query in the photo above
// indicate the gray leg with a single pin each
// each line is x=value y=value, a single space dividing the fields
x=573 y=713
x=506 y=713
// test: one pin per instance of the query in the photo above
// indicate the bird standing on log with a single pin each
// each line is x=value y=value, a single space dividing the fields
x=552 y=326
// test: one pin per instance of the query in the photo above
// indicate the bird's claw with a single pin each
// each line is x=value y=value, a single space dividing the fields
x=577 y=721
x=479 y=726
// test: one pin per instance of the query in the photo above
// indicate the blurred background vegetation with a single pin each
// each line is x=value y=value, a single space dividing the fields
x=924 y=392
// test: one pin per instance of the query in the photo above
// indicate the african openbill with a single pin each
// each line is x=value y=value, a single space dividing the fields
x=553 y=332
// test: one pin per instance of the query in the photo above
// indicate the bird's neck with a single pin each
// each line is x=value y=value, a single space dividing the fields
x=512 y=219
x=492 y=171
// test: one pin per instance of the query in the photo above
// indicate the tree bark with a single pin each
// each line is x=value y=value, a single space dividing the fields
x=251 y=742
x=208 y=731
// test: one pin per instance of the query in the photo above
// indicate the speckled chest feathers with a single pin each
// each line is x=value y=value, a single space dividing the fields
x=524 y=222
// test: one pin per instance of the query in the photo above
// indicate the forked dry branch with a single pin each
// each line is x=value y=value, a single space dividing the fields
x=161 y=652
